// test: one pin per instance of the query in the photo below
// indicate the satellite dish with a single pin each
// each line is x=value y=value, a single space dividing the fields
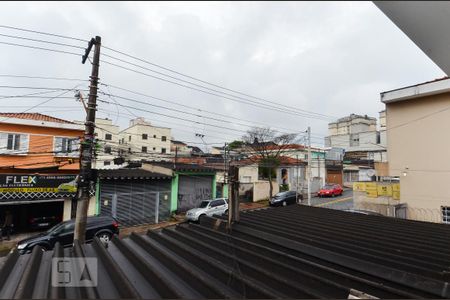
x=371 y=172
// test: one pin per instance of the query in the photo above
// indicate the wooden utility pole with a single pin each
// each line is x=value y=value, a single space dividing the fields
x=86 y=149
x=233 y=202
x=309 y=166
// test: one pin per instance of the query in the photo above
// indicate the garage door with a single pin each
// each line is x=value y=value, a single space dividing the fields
x=192 y=190
x=134 y=203
x=334 y=176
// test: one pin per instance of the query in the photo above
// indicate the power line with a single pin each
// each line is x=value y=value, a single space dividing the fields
x=41 y=103
x=44 y=33
x=260 y=105
x=40 y=41
x=41 y=88
x=175 y=110
x=199 y=80
x=25 y=95
x=177 y=128
x=42 y=77
x=190 y=107
x=41 y=48
x=173 y=117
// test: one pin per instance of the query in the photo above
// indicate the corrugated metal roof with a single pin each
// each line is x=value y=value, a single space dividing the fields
x=130 y=174
x=289 y=252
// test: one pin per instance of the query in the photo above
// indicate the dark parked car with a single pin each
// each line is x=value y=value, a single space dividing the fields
x=285 y=198
x=44 y=222
x=102 y=227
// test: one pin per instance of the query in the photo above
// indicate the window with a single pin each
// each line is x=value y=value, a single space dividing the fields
x=108 y=149
x=163 y=150
x=106 y=163
x=123 y=141
x=445 y=214
x=13 y=143
x=144 y=149
x=154 y=148
x=144 y=136
x=129 y=138
x=378 y=137
x=108 y=137
x=163 y=139
x=129 y=150
x=66 y=146
x=154 y=136
x=354 y=140
x=216 y=203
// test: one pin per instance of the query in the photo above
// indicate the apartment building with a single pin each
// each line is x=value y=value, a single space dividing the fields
x=39 y=162
x=143 y=141
x=108 y=146
x=364 y=144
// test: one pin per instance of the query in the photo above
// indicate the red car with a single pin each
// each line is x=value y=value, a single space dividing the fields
x=330 y=189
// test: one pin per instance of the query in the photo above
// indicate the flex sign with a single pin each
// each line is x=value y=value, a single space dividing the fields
x=18 y=180
x=24 y=184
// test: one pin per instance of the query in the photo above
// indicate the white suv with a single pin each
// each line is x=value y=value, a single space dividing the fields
x=208 y=208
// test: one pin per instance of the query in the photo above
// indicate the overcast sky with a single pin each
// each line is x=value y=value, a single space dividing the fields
x=329 y=58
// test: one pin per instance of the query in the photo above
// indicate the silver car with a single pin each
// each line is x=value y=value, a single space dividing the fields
x=217 y=206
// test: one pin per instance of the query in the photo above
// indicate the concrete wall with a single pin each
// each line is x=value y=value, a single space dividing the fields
x=92 y=208
x=248 y=173
x=419 y=146
x=261 y=190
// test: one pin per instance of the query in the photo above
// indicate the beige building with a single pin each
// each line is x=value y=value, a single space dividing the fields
x=108 y=139
x=107 y=135
x=142 y=141
x=418 y=119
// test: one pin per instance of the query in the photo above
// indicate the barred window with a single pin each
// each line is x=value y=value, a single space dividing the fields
x=445 y=214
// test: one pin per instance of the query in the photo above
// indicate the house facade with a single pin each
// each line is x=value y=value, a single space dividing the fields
x=39 y=162
x=417 y=119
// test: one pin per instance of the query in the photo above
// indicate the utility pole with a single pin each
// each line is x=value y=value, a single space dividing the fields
x=309 y=166
x=176 y=157
x=224 y=166
x=233 y=203
x=296 y=184
x=86 y=177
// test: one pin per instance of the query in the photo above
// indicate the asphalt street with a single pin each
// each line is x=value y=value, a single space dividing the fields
x=340 y=202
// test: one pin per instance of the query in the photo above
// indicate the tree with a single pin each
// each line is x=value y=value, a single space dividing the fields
x=265 y=146
x=235 y=144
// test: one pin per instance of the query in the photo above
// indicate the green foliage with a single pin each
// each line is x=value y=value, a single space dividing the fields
x=235 y=144
x=263 y=172
x=284 y=187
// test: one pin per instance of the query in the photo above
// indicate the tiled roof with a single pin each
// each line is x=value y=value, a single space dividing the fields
x=288 y=252
x=34 y=116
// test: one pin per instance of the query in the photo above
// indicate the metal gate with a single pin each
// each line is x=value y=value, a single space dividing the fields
x=192 y=190
x=134 y=203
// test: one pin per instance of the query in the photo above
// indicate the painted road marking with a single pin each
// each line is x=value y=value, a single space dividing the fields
x=335 y=201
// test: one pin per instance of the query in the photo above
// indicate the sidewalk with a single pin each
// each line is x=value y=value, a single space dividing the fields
x=6 y=246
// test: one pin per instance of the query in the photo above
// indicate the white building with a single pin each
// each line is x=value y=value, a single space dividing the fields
x=142 y=141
